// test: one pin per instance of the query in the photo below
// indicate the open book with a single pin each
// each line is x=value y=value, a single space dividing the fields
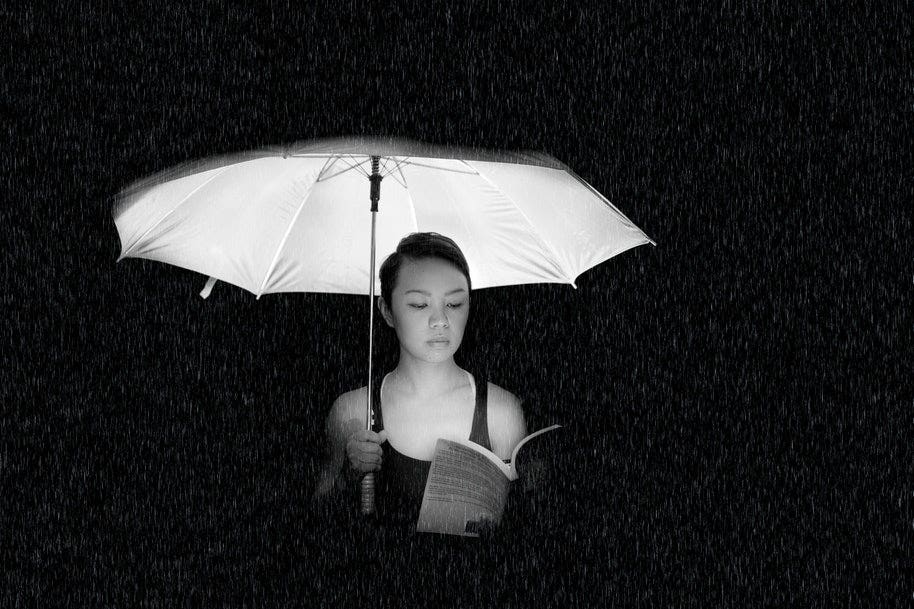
x=467 y=484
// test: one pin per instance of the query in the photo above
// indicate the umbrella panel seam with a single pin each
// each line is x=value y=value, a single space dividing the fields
x=533 y=232
x=139 y=240
x=282 y=243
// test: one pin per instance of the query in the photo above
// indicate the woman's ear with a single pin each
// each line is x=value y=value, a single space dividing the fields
x=385 y=311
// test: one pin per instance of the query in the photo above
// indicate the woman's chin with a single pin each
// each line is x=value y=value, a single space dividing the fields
x=436 y=357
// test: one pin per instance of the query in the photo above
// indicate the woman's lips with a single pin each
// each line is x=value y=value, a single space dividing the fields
x=437 y=342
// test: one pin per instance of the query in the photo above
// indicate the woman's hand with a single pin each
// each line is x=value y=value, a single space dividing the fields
x=363 y=447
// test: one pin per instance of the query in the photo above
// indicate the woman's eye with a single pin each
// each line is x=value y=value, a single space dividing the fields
x=417 y=306
x=455 y=305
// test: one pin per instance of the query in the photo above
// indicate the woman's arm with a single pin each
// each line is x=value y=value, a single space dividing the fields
x=507 y=426
x=335 y=450
x=352 y=450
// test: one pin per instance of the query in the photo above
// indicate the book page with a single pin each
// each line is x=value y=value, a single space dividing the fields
x=463 y=488
x=509 y=469
x=527 y=439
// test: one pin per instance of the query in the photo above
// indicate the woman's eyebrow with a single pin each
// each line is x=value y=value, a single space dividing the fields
x=425 y=293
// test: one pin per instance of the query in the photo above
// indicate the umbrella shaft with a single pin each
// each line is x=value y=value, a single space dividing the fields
x=368 y=411
x=368 y=494
x=375 y=179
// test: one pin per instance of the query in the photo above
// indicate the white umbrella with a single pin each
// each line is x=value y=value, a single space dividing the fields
x=293 y=219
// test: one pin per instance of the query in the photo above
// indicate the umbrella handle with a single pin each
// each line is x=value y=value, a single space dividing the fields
x=368 y=494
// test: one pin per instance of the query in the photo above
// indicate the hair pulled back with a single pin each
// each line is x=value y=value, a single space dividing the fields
x=417 y=246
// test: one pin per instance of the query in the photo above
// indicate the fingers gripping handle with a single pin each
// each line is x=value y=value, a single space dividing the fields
x=368 y=494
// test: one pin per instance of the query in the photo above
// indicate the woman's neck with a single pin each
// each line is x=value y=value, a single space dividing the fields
x=424 y=379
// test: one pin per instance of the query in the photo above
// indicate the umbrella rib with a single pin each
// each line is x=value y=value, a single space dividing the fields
x=412 y=210
x=398 y=161
x=342 y=171
x=533 y=231
x=359 y=165
x=398 y=168
x=402 y=179
x=331 y=161
x=324 y=155
x=139 y=239
x=395 y=170
x=470 y=167
x=439 y=168
x=609 y=204
x=282 y=243
x=398 y=180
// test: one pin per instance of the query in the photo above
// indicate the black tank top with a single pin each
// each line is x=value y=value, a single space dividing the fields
x=401 y=481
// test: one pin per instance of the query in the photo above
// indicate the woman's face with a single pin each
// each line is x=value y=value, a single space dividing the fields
x=429 y=307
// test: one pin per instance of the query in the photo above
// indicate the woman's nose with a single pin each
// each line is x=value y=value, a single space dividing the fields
x=438 y=319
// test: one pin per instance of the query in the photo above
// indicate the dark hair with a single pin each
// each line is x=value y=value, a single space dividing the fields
x=417 y=246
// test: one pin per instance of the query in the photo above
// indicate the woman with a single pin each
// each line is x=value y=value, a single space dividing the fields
x=425 y=298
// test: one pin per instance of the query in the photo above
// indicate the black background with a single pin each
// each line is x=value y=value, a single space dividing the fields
x=736 y=396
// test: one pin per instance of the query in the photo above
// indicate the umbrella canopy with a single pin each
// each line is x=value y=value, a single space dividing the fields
x=294 y=219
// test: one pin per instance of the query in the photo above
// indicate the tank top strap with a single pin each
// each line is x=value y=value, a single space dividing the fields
x=376 y=413
x=480 y=430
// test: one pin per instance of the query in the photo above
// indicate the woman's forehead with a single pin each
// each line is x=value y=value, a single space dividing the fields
x=430 y=274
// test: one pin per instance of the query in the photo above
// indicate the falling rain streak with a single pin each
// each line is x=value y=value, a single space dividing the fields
x=734 y=402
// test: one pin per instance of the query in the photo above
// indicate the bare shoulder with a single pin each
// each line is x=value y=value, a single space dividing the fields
x=350 y=400
x=503 y=403
x=348 y=406
x=507 y=425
